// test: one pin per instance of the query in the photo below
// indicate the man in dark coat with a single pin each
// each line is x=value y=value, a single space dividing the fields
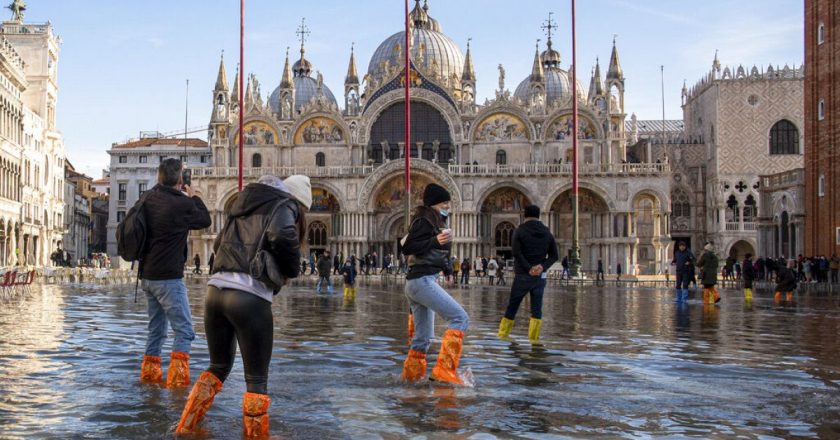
x=683 y=260
x=324 y=269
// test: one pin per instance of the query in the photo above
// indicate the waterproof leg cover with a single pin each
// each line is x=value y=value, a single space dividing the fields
x=778 y=297
x=150 y=371
x=446 y=368
x=716 y=294
x=414 y=367
x=255 y=415
x=678 y=295
x=505 y=327
x=200 y=400
x=410 y=327
x=748 y=294
x=683 y=295
x=353 y=292
x=789 y=297
x=346 y=293
x=178 y=374
x=534 y=327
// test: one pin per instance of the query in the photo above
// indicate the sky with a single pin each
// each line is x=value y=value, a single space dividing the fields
x=124 y=64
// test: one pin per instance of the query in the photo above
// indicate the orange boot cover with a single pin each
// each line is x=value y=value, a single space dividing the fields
x=201 y=397
x=414 y=367
x=178 y=374
x=150 y=371
x=410 y=327
x=706 y=296
x=789 y=297
x=255 y=415
x=717 y=294
x=778 y=297
x=446 y=367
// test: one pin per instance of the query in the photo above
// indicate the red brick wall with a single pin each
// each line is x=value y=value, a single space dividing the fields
x=822 y=137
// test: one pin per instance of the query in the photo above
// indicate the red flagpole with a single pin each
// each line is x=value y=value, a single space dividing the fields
x=575 y=263
x=241 y=86
x=407 y=122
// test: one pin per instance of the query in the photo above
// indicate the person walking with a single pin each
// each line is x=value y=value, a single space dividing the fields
x=492 y=267
x=324 y=268
x=258 y=251
x=617 y=272
x=210 y=262
x=476 y=265
x=348 y=271
x=565 y=264
x=599 y=274
x=708 y=263
x=172 y=209
x=834 y=267
x=748 y=274
x=428 y=242
x=534 y=251
x=312 y=267
x=500 y=275
x=456 y=267
x=785 y=281
x=197 y=263
x=336 y=267
x=465 y=272
x=683 y=260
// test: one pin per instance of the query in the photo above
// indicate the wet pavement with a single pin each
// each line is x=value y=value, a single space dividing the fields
x=613 y=363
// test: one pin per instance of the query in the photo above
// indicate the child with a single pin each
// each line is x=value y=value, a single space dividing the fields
x=349 y=273
x=786 y=281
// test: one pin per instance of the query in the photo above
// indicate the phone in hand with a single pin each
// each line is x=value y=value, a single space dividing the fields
x=186 y=175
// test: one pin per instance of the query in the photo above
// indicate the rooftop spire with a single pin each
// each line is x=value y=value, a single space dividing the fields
x=286 y=81
x=469 y=70
x=614 y=71
x=352 y=74
x=537 y=72
x=716 y=62
x=550 y=58
x=234 y=94
x=221 y=79
x=302 y=67
x=596 y=87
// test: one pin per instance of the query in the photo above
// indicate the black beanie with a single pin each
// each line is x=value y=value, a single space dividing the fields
x=434 y=194
x=532 y=211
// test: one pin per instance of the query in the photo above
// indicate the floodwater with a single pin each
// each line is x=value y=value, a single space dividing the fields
x=613 y=363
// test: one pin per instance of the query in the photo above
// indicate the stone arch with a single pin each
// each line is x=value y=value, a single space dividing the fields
x=595 y=188
x=563 y=114
x=382 y=174
x=449 y=113
x=486 y=113
x=738 y=248
x=297 y=128
x=322 y=202
x=501 y=185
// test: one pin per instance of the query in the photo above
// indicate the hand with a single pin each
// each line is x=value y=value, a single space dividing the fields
x=190 y=192
x=444 y=237
x=536 y=270
x=448 y=282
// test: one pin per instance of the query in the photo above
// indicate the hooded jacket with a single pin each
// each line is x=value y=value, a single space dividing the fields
x=247 y=219
x=683 y=260
x=425 y=255
x=533 y=244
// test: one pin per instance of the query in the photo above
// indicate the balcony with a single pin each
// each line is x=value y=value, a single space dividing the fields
x=784 y=179
x=737 y=226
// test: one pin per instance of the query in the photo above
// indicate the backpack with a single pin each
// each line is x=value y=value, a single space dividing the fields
x=131 y=233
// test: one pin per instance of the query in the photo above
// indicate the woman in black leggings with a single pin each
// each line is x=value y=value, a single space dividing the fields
x=264 y=224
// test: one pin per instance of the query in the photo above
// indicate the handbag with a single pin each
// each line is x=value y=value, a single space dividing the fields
x=263 y=266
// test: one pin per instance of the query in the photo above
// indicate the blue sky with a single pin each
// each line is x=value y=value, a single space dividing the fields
x=123 y=64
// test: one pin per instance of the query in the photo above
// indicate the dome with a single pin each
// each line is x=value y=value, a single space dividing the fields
x=557 y=85
x=305 y=88
x=435 y=48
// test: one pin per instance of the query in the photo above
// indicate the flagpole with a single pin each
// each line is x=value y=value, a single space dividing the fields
x=407 y=122
x=241 y=85
x=574 y=264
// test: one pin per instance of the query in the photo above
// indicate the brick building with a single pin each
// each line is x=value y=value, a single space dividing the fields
x=822 y=127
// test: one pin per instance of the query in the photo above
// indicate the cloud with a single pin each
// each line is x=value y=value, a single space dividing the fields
x=155 y=41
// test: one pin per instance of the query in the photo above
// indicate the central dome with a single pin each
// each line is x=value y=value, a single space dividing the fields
x=557 y=87
x=431 y=50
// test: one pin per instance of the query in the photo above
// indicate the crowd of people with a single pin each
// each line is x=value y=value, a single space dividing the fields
x=814 y=269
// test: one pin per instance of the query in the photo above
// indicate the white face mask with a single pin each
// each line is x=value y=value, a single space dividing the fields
x=444 y=212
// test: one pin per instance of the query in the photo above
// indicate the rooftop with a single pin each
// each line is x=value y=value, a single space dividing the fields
x=151 y=141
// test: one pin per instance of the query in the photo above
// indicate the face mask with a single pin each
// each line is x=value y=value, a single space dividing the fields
x=444 y=212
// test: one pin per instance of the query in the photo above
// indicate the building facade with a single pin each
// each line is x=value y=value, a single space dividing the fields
x=31 y=147
x=822 y=132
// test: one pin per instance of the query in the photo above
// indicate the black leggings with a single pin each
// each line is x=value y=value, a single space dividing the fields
x=233 y=315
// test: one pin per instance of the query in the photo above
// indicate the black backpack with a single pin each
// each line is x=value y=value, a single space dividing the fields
x=131 y=233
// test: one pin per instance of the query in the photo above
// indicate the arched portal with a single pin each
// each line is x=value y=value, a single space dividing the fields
x=502 y=205
x=430 y=134
x=503 y=240
x=316 y=237
x=646 y=208
x=740 y=249
x=593 y=221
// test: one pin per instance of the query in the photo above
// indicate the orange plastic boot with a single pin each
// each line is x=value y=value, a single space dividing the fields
x=716 y=294
x=201 y=397
x=789 y=297
x=150 y=371
x=410 y=327
x=178 y=374
x=778 y=297
x=446 y=367
x=255 y=415
x=414 y=367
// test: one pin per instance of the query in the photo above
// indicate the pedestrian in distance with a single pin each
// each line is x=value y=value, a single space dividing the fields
x=534 y=251
x=565 y=265
x=683 y=261
x=617 y=272
x=258 y=250
x=500 y=279
x=337 y=265
x=466 y=266
x=211 y=261
x=172 y=209
x=785 y=282
x=427 y=245
x=492 y=267
x=599 y=274
x=709 y=263
x=834 y=267
x=456 y=268
x=324 y=269
x=748 y=275
x=197 y=263
x=348 y=272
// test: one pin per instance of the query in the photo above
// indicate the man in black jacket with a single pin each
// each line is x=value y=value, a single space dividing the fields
x=534 y=251
x=172 y=209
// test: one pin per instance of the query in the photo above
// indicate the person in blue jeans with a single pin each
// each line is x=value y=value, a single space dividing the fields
x=683 y=263
x=172 y=209
x=534 y=251
x=427 y=247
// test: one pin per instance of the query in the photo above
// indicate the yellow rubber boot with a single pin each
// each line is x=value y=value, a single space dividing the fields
x=346 y=293
x=446 y=367
x=505 y=326
x=414 y=367
x=748 y=294
x=353 y=292
x=199 y=402
x=178 y=374
x=534 y=327
x=150 y=371
x=255 y=415
x=410 y=327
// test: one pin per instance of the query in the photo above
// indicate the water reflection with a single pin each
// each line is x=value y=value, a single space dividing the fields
x=626 y=363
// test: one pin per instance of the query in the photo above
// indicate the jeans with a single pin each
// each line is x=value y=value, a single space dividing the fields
x=683 y=279
x=328 y=282
x=426 y=297
x=167 y=302
x=232 y=316
x=465 y=277
x=524 y=284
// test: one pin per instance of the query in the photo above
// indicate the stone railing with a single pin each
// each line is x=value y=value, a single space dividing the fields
x=784 y=179
x=335 y=171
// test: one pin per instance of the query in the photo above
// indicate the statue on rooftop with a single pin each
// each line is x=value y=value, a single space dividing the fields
x=17 y=7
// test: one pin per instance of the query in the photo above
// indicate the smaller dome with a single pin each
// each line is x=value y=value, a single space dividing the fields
x=551 y=58
x=305 y=89
x=302 y=67
x=557 y=87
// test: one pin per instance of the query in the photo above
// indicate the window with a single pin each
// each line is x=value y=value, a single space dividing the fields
x=750 y=209
x=428 y=126
x=123 y=159
x=203 y=158
x=821 y=110
x=821 y=186
x=501 y=157
x=122 y=188
x=141 y=188
x=680 y=205
x=784 y=138
x=732 y=210
x=256 y=160
x=320 y=160
x=837 y=238
x=317 y=235
x=144 y=159
x=821 y=33
x=504 y=235
x=161 y=159
x=183 y=159
x=120 y=216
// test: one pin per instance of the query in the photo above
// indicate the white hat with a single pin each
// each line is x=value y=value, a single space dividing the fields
x=300 y=188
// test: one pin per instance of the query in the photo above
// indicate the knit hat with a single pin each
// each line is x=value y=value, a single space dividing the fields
x=709 y=246
x=532 y=211
x=300 y=189
x=434 y=194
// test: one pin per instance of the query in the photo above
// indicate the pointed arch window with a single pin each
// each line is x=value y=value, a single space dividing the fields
x=256 y=160
x=504 y=235
x=501 y=157
x=732 y=211
x=680 y=205
x=750 y=209
x=784 y=138
x=320 y=160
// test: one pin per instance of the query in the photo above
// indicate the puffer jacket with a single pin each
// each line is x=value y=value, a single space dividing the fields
x=533 y=244
x=683 y=261
x=247 y=218
x=425 y=255
x=709 y=263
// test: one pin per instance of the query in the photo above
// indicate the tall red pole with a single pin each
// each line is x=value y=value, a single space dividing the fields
x=574 y=265
x=407 y=121
x=241 y=86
